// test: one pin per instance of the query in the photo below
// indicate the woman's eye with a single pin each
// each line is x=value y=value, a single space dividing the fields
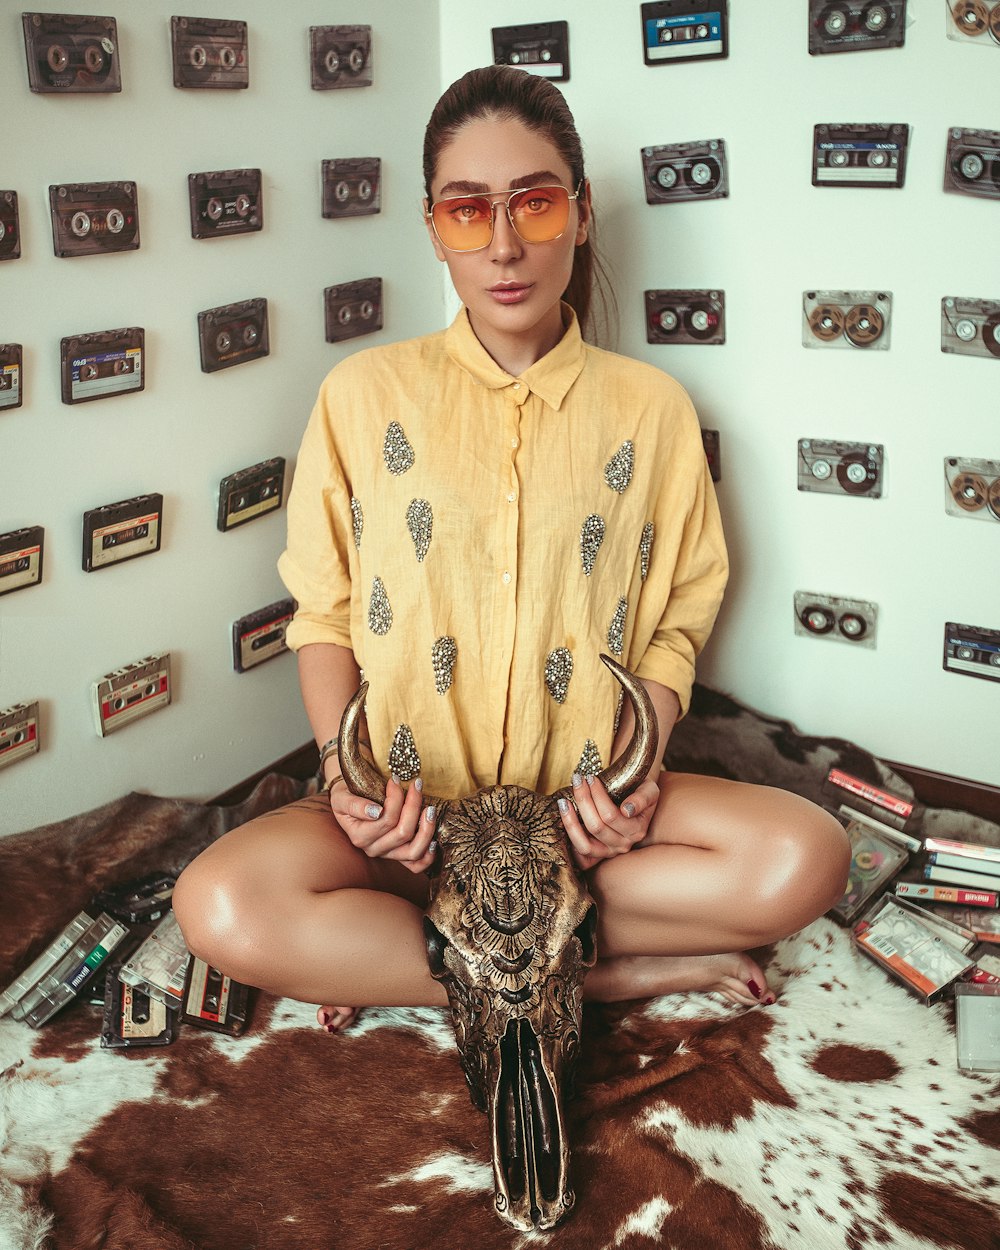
x=537 y=204
x=467 y=211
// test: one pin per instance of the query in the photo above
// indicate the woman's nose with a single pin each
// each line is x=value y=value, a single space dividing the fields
x=505 y=244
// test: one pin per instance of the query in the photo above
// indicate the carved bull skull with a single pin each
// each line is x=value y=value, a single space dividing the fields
x=511 y=930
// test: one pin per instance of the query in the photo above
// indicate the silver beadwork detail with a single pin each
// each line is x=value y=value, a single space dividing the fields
x=396 y=449
x=618 y=470
x=558 y=671
x=379 y=610
x=616 y=630
x=645 y=546
x=358 y=518
x=618 y=709
x=420 y=522
x=404 y=759
x=590 y=761
x=444 y=653
x=591 y=537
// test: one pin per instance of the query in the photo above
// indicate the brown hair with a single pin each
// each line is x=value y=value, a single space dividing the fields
x=498 y=91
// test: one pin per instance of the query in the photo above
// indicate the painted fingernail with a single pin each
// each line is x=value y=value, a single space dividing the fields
x=432 y=848
x=430 y=814
x=563 y=805
x=577 y=781
x=395 y=777
x=373 y=811
x=754 y=988
x=629 y=809
x=418 y=784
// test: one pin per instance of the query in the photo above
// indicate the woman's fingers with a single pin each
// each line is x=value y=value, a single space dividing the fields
x=597 y=827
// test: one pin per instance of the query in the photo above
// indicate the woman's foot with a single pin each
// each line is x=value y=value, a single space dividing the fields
x=335 y=1019
x=644 y=976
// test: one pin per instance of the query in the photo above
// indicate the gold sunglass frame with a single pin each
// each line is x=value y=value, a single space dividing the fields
x=506 y=197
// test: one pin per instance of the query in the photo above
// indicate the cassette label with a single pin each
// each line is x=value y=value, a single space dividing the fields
x=713 y=453
x=260 y=635
x=859 y=156
x=686 y=171
x=128 y=693
x=69 y=52
x=972 y=650
x=829 y=616
x=541 y=48
x=352 y=187
x=91 y=218
x=159 y=965
x=19 y=735
x=972 y=488
x=10 y=226
x=970 y=327
x=353 y=309
x=214 y=1001
x=132 y=1018
x=686 y=317
x=846 y=319
x=251 y=493
x=833 y=468
x=972 y=163
x=677 y=30
x=21 y=556
x=855 y=25
x=225 y=202
x=974 y=19
x=121 y=531
x=96 y=366
x=10 y=375
x=340 y=56
x=209 y=52
x=233 y=334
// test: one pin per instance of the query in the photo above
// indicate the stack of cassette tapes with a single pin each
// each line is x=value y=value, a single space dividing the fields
x=926 y=953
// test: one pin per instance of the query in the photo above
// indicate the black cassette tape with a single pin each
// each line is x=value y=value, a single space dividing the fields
x=833 y=468
x=686 y=171
x=972 y=650
x=713 y=453
x=972 y=488
x=972 y=163
x=141 y=901
x=91 y=218
x=974 y=19
x=108 y=362
x=353 y=309
x=260 y=635
x=846 y=319
x=128 y=693
x=70 y=52
x=233 y=334
x=22 y=554
x=352 y=187
x=224 y=203
x=210 y=52
x=866 y=155
x=11 y=389
x=214 y=1001
x=686 y=317
x=541 y=48
x=122 y=531
x=340 y=56
x=830 y=616
x=10 y=226
x=677 y=30
x=19 y=736
x=970 y=327
x=856 y=25
x=251 y=493
x=133 y=1019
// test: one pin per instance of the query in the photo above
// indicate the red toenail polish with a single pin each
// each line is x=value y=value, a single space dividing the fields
x=754 y=988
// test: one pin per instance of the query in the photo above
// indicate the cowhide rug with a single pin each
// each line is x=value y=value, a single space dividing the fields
x=835 y=1118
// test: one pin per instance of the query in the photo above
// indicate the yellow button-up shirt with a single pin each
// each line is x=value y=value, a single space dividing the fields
x=478 y=540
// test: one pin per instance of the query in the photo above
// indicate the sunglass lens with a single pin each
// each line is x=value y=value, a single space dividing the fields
x=463 y=223
x=540 y=213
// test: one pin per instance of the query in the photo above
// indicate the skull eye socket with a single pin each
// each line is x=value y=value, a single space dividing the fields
x=437 y=944
x=586 y=932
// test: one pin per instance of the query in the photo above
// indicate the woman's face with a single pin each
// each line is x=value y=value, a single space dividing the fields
x=511 y=288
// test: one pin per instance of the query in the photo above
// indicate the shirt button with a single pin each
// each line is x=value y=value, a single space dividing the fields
x=505 y=579
x=513 y=442
x=517 y=386
x=511 y=497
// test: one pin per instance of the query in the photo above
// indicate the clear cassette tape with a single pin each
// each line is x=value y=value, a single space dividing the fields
x=972 y=488
x=70 y=52
x=972 y=650
x=353 y=309
x=970 y=327
x=159 y=966
x=972 y=163
x=126 y=694
x=233 y=334
x=92 y=218
x=10 y=226
x=352 y=186
x=677 y=30
x=675 y=172
x=22 y=553
x=11 y=393
x=868 y=155
x=874 y=862
x=340 y=56
x=924 y=953
x=540 y=48
x=836 y=468
x=835 y=319
x=856 y=25
x=977 y=20
x=210 y=52
x=225 y=202
x=96 y=366
x=260 y=635
x=854 y=621
x=688 y=316
x=19 y=736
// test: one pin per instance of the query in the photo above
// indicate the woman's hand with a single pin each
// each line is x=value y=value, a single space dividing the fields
x=597 y=827
x=396 y=830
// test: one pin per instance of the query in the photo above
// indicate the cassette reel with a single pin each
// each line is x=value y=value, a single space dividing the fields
x=841 y=620
x=22 y=555
x=233 y=334
x=833 y=468
x=352 y=187
x=972 y=650
x=972 y=163
x=91 y=218
x=10 y=227
x=99 y=365
x=686 y=171
x=225 y=202
x=353 y=309
x=11 y=393
x=19 y=736
x=866 y=155
x=541 y=48
x=340 y=56
x=686 y=317
x=855 y=25
x=972 y=488
x=846 y=319
x=260 y=635
x=69 y=52
x=677 y=30
x=970 y=327
x=973 y=19
x=210 y=53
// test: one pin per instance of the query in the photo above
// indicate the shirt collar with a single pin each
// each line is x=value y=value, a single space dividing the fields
x=549 y=378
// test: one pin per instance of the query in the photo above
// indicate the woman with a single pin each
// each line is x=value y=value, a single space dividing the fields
x=476 y=515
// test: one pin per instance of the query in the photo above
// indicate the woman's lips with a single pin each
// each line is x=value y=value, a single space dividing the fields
x=510 y=293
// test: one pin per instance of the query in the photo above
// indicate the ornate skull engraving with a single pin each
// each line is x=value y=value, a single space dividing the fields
x=511 y=931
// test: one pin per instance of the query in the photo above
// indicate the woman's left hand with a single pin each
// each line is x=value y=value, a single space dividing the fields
x=598 y=828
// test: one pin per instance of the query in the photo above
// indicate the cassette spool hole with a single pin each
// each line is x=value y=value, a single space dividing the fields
x=57 y=58
x=198 y=56
x=818 y=620
x=701 y=321
x=852 y=626
x=971 y=166
x=666 y=321
x=876 y=18
x=991 y=335
x=666 y=177
x=834 y=20
x=863 y=325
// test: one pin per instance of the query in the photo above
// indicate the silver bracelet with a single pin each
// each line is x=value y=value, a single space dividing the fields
x=327 y=749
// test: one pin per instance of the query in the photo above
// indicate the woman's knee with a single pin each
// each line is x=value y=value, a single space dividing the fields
x=812 y=860
x=207 y=910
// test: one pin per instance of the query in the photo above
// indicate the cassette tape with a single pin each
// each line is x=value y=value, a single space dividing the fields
x=713 y=453
x=209 y=52
x=124 y=695
x=893 y=812
x=225 y=202
x=251 y=493
x=70 y=52
x=830 y=616
x=677 y=30
x=686 y=171
x=859 y=156
x=132 y=1018
x=924 y=953
x=96 y=366
x=121 y=531
x=832 y=468
x=21 y=556
x=137 y=902
x=855 y=25
x=970 y=327
x=233 y=334
x=541 y=48
x=972 y=488
x=874 y=862
x=11 y=395
x=19 y=736
x=972 y=163
x=260 y=635
x=10 y=226
x=686 y=317
x=159 y=966
x=972 y=650
x=214 y=1001
x=74 y=974
x=977 y=1027
x=846 y=319
x=91 y=218
x=974 y=19
x=340 y=56
x=352 y=187
x=353 y=309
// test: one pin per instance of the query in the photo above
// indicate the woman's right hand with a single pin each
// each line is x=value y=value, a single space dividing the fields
x=396 y=830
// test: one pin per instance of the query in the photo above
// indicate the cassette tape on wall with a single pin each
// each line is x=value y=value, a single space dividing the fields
x=856 y=25
x=833 y=617
x=10 y=226
x=835 y=319
x=92 y=218
x=69 y=52
x=970 y=327
x=686 y=316
x=225 y=203
x=695 y=170
x=837 y=468
x=541 y=48
x=975 y=21
x=972 y=488
x=11 y=392
x=340 y=56
x=210 y=53
x=863 y=155
x=352 y=186
x=972 y=163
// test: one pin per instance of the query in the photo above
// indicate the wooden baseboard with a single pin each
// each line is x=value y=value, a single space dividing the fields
x=302 y=763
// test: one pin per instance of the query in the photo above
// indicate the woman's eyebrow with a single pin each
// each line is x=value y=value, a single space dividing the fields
x=541 y=177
